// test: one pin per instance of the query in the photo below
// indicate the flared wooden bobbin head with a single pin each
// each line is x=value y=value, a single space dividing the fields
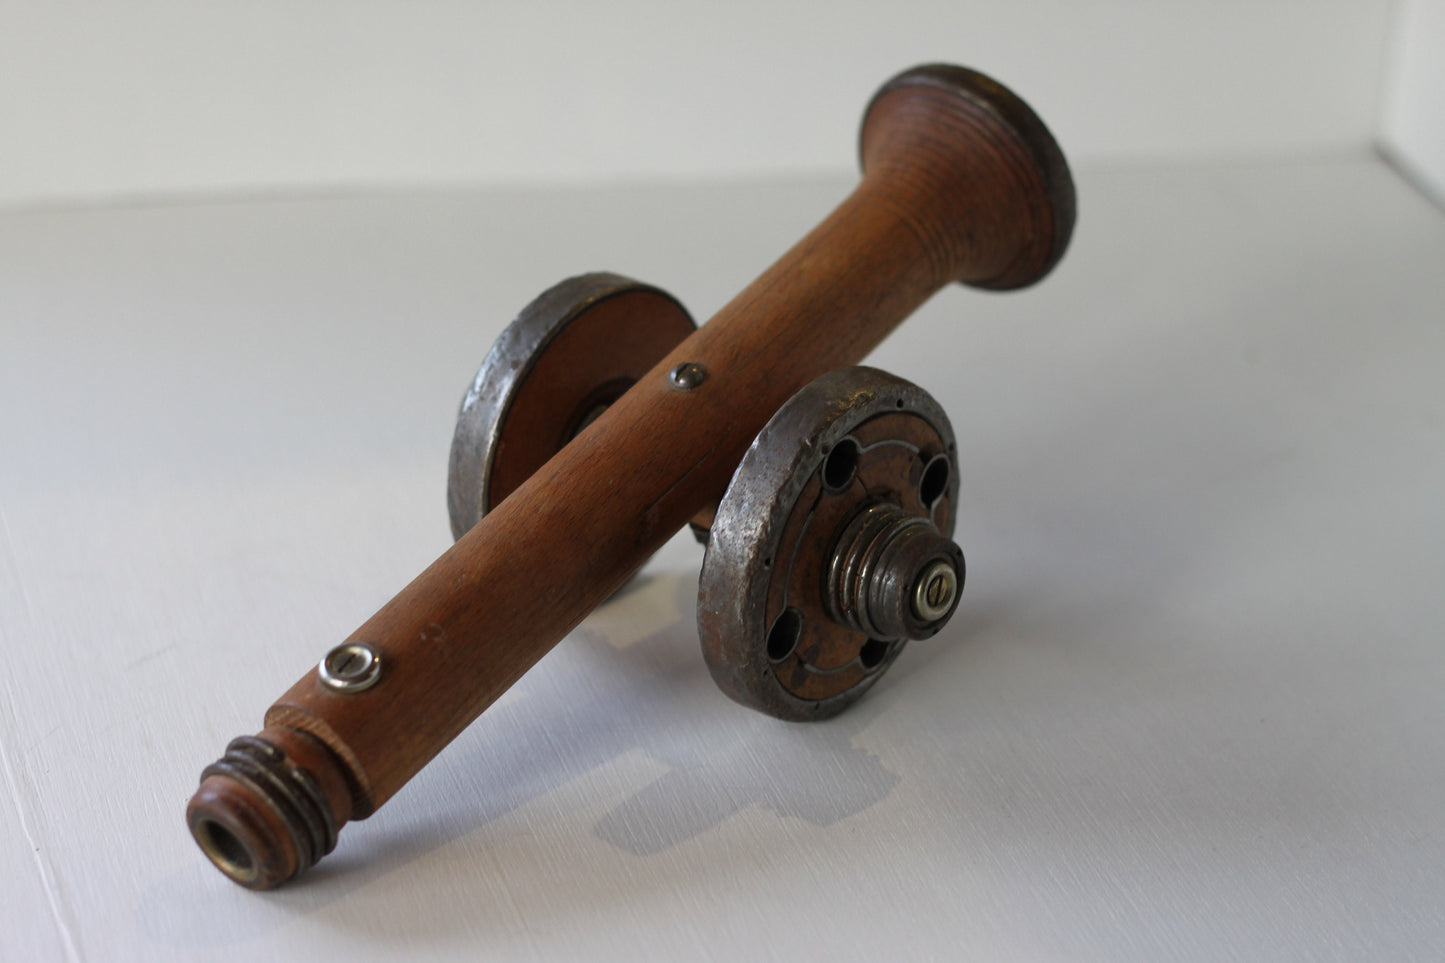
x=977 y=174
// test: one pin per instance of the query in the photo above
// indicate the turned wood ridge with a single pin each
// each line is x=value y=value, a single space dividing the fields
x=962 y=182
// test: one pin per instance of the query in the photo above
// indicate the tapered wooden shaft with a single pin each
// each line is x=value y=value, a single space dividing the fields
x=961 y=182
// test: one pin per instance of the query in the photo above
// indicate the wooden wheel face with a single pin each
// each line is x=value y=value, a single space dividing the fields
x=568 y=355
x=854 y=438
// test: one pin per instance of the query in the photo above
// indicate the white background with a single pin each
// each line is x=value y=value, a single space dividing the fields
x=1190 y=709
x=105 y=100
x=1413 y=122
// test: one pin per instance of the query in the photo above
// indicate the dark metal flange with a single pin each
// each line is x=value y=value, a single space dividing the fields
x=568 y=355
x=832 y=546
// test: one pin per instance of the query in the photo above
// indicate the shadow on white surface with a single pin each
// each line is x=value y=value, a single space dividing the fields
x=606 y=696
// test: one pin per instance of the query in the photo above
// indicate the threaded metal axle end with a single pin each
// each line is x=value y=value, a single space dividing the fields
x=894 y=575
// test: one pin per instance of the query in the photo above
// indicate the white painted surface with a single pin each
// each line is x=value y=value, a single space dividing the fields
x=34 y=930
x=1191 y=709
x=153 y=97
x=1414 y=111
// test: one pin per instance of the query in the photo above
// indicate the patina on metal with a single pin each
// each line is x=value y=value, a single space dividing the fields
x=838 y=517
x=568 y=355
x=893 y=575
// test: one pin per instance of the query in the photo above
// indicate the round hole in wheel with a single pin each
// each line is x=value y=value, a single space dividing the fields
x=872 y=653
x=783 y=636
x=935 y=480
x=841 y=466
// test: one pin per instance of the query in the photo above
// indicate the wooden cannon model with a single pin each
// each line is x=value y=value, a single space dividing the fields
x=603 y=421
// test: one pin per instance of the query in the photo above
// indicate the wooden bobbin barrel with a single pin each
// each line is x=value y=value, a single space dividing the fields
x=962 y=182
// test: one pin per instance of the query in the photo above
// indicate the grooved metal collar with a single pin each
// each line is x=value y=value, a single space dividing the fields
x=651 y=326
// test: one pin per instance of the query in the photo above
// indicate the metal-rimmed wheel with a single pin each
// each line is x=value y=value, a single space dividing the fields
x=832 y=546
x=568 y=355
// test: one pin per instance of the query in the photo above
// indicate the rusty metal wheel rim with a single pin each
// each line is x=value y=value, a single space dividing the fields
x=650 y=321
x=739 y=605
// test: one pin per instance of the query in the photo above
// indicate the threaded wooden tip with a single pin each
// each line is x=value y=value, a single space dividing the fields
x=264 y=815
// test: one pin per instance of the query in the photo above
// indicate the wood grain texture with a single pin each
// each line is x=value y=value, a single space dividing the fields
x=961 y=183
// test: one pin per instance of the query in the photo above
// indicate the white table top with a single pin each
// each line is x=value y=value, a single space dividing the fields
x=1193 y=706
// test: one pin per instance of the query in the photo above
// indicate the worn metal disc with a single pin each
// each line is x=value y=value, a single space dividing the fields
x=569 y=354
x=851 y=441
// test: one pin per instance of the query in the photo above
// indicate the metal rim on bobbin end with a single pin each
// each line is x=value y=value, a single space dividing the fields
x=861 y=566
x=575 y=349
